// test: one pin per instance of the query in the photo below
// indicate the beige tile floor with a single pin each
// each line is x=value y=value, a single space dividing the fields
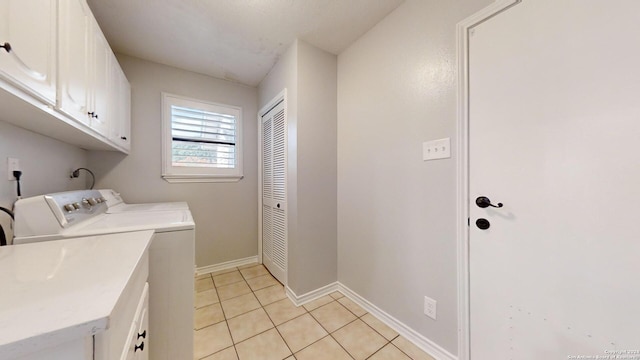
x=243 y=313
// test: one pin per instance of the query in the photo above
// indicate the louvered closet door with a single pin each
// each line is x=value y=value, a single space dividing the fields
x=274 y=192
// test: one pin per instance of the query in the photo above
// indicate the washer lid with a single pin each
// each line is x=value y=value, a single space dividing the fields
x=164 y=206
x=161 y=221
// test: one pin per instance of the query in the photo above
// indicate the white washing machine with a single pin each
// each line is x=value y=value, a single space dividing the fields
x=115 y=204
x=171 y=255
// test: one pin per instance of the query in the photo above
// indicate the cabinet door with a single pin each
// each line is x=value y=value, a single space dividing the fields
x=75 y=59
x=142 y=348
x=124 y=109
x=29 y=26
x=101 y=74
x=120 y=107
x=137 y=345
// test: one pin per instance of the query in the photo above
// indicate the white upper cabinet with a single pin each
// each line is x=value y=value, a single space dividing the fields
x=75 y=54
x=93 y=88
x=60 y=77
x=99 y=87
x=28 y=29
x=120 y=105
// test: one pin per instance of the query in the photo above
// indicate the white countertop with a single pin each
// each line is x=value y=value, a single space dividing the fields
x=56 y=291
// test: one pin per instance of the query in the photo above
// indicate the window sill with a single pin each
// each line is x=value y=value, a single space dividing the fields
x=177 y=179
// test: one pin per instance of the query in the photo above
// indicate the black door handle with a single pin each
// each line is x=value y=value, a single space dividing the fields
x=483 y=224
x=483 y=202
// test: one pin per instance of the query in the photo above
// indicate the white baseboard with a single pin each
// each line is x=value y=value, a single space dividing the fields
x=226 y=265
x=433 y=349
x=311 y=295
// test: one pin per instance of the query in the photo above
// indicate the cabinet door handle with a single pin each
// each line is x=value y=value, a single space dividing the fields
x=143 y=335
x=139 y=347
x=7 y=47
x=123 y=137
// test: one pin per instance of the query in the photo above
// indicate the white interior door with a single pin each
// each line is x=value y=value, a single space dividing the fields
x=554 y=135
x=274 y=192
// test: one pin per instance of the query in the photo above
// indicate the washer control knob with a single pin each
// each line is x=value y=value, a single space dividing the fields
x=69 y=207
x=76 y=205
x=102 y=199
x=92 y=201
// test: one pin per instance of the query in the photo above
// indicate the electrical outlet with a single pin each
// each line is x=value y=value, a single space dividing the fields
x=13 y=164
x=436 y=149
x=430 y=307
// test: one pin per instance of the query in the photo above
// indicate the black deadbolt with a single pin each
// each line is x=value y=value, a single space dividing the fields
x=278 y=206
x=483 y=224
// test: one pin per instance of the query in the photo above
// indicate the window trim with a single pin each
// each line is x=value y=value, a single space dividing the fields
x=176 y=174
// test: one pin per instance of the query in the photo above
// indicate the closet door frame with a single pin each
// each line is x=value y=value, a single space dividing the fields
x=281 y=97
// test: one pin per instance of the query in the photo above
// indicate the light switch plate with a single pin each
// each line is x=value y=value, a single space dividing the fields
x=436 y=149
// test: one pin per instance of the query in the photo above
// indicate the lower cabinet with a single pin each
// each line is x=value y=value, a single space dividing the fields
x=126 y=339
x=141 y=350
x=137 y=345
x=127 y=336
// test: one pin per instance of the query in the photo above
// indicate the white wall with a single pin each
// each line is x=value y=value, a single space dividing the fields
x=225 y=213
x=46 y=165
x=396 y=213
x=309 y=75
x=316 y=253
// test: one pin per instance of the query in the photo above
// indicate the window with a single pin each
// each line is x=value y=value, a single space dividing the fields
x=201 y=142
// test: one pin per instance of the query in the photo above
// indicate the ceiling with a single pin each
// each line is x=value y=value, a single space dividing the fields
x=236 y=40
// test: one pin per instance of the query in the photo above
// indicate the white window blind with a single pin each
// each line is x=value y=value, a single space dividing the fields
x=202 y=141
x=202 y=138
